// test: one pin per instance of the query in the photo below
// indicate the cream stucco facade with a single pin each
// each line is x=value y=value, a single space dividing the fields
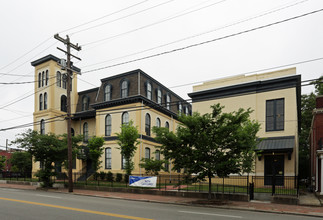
x=256 y=92
x=91 y=107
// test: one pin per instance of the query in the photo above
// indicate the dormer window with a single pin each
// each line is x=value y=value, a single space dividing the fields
x=107 y=92
x=124 y=89
x=159 y=97
x=85 y=103
x=186 y=110
x=148 y=91
x=180 y=108
x=168 y=101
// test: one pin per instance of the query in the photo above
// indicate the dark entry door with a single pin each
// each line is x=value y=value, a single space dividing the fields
x=274 y=170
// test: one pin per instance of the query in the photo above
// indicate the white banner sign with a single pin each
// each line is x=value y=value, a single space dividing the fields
x=143 y=181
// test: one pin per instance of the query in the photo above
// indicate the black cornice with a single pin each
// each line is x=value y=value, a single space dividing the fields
x=51 y=57
x=84 y=115
x=134 y=99
x=144 y=137
x=246 y=88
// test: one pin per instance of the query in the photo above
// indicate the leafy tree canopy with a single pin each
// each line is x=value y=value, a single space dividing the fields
x=21 y=161
x=211 y=144
x=128 y=141
x=96 y=149
x=152 y=166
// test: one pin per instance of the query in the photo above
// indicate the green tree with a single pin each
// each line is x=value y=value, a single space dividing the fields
x=308 y=102
x=48 y=149
x=211 y=144
x=21 y=161
x=127 y=140
x=152 y=166
x=96 y=149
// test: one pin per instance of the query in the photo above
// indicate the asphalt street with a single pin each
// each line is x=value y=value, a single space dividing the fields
x=18 y=204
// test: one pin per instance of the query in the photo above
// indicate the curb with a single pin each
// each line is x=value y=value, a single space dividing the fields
x=197 y=205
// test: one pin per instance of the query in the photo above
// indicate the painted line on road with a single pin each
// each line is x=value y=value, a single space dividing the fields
x=204 y=213
x=54 y=197
x=75 y=209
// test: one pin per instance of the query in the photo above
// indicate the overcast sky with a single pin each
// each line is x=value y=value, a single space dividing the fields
x=116 y=32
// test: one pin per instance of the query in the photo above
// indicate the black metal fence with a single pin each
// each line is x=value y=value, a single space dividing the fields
x=287 y=185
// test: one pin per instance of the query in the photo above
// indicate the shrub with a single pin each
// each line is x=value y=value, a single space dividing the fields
x=109 y=176
x=102 y=175
x=119 y=177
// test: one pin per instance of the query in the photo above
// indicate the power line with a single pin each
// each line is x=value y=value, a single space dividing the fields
x=152 y=24
x=25 y=54
x=117 y=19
x=255 y=71
x=205 y=42
x=7 y=74
x=104 y=16
x=65 y=31
x=203 y=33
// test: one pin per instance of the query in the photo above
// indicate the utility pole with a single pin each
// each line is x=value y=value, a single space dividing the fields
x=68 y=88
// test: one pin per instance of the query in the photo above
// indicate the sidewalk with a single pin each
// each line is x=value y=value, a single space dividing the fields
x=251 y=206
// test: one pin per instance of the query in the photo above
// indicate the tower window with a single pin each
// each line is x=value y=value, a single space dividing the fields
x=45 y=101
x=40 y=102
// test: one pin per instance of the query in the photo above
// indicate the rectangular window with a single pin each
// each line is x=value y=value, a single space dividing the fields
x=275 y=115
x=108 y=158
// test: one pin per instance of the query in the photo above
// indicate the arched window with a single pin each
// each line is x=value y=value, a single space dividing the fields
x=43 y=79
x=86 y=131
x=148 y=91
x=107 y=92
x=42 y=126
x=186 y=110
x=40 y=102
x=147 y=124
x=59 y=79
x=157 y=154
x=158 y=122
x=47 y=77
x=63 y=103
x=166 y=124
x=64 y=79
x=125 y=118
x=108 y=125
x=108 y=158
x=85 y=103
x=168 y=101
x=124 y=89
x=45 y=101
x=39 y=80
x=159 y=97
x=180 y=108
x=147 y=153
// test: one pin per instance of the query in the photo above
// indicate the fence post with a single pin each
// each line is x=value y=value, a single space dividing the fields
x=248 y=184
x=222 y=185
